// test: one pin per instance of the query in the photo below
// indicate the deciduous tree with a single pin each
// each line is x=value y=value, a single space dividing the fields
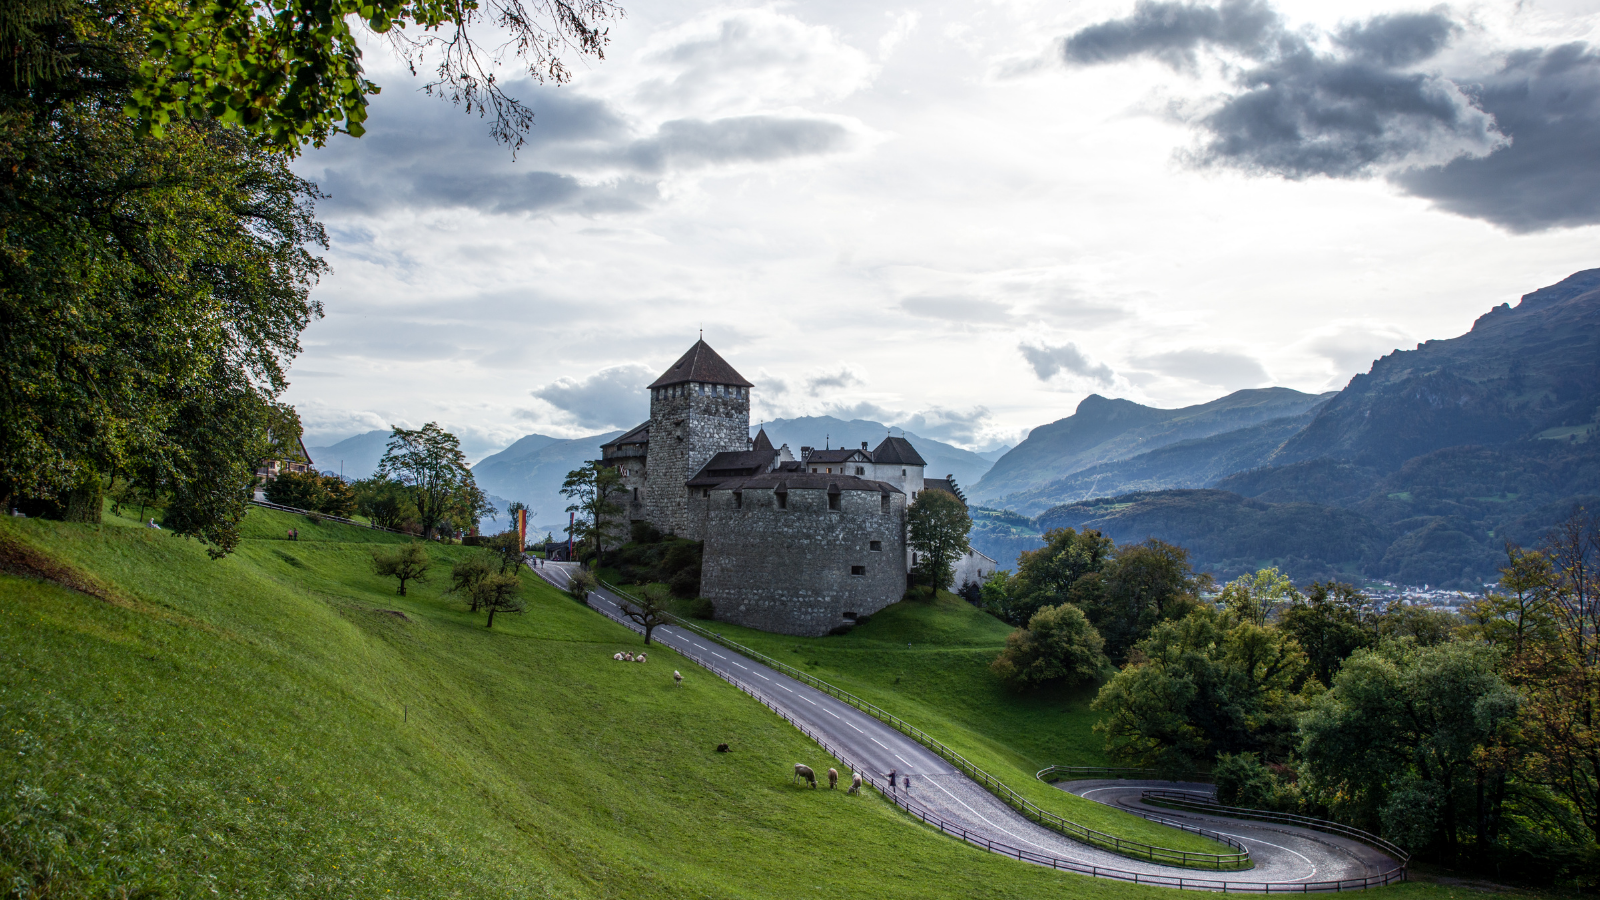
x=1059 y=647
x=429 y=462
x=465 y=575
x=648 y=609
x=937 y=526
x=406 y=563
x=384 y=501
x=497 y=593
x=591 y=489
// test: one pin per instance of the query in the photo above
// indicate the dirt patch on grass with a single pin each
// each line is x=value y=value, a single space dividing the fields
x=17 y=558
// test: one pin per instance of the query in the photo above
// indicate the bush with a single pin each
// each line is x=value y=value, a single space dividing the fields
x=1242 y=780
x=642 y=532
x=700 y=608
x=686 y=583
x=301 y=490
x=1059 y=646
x=581 y=584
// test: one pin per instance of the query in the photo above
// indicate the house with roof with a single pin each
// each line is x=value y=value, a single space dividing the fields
x=798 y=545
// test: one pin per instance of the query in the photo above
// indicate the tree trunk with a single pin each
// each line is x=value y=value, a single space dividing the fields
x=647 y=630
x=491 y=620
x=402 y=587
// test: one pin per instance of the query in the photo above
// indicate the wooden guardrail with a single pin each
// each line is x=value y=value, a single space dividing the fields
x=905 y=802
x=322 y=515
x=1240 y=859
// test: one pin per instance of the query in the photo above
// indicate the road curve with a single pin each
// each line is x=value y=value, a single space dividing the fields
x=937 y=788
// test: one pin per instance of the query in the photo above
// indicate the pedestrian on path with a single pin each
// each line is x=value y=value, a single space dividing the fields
x=891 y=779
x=905 y=782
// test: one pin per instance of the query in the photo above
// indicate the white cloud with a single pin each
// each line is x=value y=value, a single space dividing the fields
x=1226 y=369
x=615 y=397
x=1048 y=362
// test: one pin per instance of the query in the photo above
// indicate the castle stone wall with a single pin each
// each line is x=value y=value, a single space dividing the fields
x=789 y=570
x=687 y=428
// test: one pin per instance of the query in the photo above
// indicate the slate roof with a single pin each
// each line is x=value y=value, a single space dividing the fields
x=762 y=442
x=639 y=435
x=701 y=364
x=898 y=452
x=732 y=464
x=948 y=485
x=837 y=456
x=806 y=481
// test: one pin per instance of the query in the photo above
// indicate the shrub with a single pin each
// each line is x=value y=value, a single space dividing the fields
x=580 y=584
x=408 y=563
x=301 y=490
x=642 y=532
x=1058 y=646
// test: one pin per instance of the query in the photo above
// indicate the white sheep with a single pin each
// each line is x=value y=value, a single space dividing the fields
x=617 y=656
x=627 y=657
x=855 y=783
x=801 y=770
x=676 y=676
x=639 y=658
x=833 y=778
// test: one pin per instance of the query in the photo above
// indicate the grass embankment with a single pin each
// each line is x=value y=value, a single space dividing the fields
x=281 y=723
x=927 y=661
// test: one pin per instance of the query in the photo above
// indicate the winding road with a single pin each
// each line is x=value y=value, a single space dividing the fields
x=1286 y=858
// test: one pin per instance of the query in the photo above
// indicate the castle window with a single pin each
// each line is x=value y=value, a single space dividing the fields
x=738 y=500
x=883 y=503
x=635 y=499
x=833 y=501
x=782 y=498
x=859 y=571
x=705 y=492
x=861 y=470
x=902 y=473
x=875 y=546
x=813 y=469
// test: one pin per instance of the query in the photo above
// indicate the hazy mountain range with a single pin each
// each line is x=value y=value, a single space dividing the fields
x=1418 y=471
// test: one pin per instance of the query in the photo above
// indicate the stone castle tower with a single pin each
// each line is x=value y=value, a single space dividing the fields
x=698 y=408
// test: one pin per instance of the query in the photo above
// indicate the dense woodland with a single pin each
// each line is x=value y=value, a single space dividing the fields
x=1473 y=740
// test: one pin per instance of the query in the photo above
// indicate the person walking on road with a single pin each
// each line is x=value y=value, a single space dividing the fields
x=892 y=774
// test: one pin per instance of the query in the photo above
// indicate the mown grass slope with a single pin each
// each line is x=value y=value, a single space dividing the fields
x=280 y=723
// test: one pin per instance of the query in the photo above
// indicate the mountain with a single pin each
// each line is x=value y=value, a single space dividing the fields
x=1419 y=471
x=992 y=455
x=1105 y=430
x=532 y=469
x=821 y=431
x=1532 y=371
x=359 y=454
x=1186 y=464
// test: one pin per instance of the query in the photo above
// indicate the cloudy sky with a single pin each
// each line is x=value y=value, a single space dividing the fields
x=959 y=218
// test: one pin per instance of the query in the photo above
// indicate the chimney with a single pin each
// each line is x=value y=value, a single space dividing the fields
x=805 y=453
x=863 y=445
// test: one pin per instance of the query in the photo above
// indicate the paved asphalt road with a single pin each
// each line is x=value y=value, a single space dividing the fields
x=1282 y=855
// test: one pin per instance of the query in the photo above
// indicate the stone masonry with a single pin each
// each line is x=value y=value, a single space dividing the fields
x=687 y=427
x=802 y=567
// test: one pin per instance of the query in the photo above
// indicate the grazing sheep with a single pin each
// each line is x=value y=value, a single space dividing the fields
x=801 y=770
x=855 y=783
x=833 y=779
x=639 y=658
x=627 y=657
x=722 y=748
x=617 y=656
x=677 y=677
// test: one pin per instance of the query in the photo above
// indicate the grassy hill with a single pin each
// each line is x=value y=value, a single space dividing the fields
x=281 y=723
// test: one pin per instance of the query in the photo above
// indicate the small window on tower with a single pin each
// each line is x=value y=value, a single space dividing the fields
x=705 y=492
x=738 y=500
x=783 y=499
x=833 y=501
x=883 y=503
x=858 y=570
x=876 y=546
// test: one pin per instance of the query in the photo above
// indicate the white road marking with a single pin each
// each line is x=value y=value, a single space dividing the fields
x=876 y=741
x=832 y=713
x=853 y=725
x=718 y=655
x=762 y=677
x=807 y=699
x=743 y=666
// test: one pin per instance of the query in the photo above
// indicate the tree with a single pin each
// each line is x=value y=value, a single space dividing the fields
x=1407 y=738
x=384 y=501
x=340 y=498
x=1203 y=685
x=507 y=549
x=429 y=462
x=938 y=526
x=1059 y=646
x=465 y=575
x=1327 y=623
x=152 y=289
x=301 y=490
x=1258 y=598
x=648 y=610
x=580 y=584
x=590 y=488
x=1140 y=586
x=1065 y=570
x=497 y=593
x=1560 y=676
x=407 y=563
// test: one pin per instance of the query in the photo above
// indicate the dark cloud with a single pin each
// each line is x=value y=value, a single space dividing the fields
x=610 y=398
x=1548 y=101
x=1049 y=361
x=580 y=156
x=1173 y=32
x=1513 y=146
x=1230 y=371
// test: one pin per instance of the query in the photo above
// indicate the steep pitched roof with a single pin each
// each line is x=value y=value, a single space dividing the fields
x=837 y=456
x=762 y=442
x=701 y=364
x=948 y=485
x=898 y=452
x=639 y=435
x=731 y=464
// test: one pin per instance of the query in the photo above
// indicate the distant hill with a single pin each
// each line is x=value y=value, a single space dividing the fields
x=819 y=431
x=1418 y=472
x=1186 y=464
x=1105 y=430
x=531 y=470
x=360 y=454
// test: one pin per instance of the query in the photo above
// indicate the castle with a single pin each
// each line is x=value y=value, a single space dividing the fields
x=793 y=545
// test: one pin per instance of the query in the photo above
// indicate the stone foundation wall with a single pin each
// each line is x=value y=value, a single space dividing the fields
x=789 y=570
